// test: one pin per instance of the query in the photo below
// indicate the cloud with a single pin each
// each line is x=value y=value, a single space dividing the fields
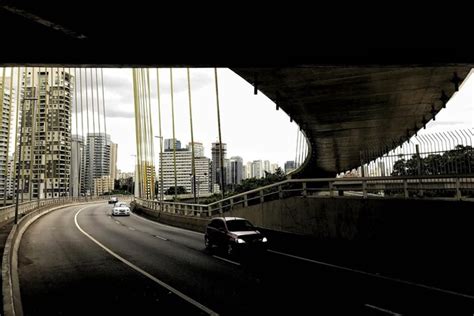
x=119 y=113
x=199 y=79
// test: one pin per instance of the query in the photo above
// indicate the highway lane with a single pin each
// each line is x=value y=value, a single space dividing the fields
x=62 y=271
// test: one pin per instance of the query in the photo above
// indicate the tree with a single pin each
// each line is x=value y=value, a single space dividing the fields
x=180 y=190
x=459 y=160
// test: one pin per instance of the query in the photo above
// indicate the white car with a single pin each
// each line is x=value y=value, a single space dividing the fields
x=121 y=209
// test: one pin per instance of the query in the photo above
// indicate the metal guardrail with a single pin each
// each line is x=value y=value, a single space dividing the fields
x=456 y=187
x=7 y=212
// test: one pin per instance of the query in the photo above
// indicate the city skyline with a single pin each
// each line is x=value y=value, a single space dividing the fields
x=243 y=115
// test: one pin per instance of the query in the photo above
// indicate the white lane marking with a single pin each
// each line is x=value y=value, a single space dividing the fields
x=227 y=260
x=374 y=275
x=168 y=226
x=383 y=310
x=148 y=275
x=162 y=238
x=131 y=228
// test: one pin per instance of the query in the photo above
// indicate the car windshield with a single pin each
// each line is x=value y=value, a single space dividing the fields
x=237 y=225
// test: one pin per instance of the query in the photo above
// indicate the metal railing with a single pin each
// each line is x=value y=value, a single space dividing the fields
x=455 y=187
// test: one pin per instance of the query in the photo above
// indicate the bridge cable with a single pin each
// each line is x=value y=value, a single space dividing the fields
x=51 y=141
x=161 y=136
x=174 y=137
x=151 y=138
x=15 y=184
x=88 y=137
x=222 y=169
x=193 y=165
x=144 y=131
x=22 y=151
x=94 y=161
x=33 y=134
x=84 y=139
x=102 y=146
x=105 y=128
x=64 y=183
x=137 y=130
x=78 y=140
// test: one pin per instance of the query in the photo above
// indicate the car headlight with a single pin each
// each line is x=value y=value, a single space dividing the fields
x=240 y=241
x=264 y=239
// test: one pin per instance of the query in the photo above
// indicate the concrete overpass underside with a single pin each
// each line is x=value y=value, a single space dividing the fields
x=345 y=110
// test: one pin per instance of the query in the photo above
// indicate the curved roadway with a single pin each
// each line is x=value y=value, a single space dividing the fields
x=80 y=260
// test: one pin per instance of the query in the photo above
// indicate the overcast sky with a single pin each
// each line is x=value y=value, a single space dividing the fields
x=251 y=126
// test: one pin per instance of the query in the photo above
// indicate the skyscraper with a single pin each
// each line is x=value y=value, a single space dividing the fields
x=46 y=138
x=235 y=170
x=216 y=169
x=266 y=166
x=77 y=161
x=5 y=128
x=257 y=169
x=170 y=142
x=97 y=160
x=184 y=171
x=198 y=149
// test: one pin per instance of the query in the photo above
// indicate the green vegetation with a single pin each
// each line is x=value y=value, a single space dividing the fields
x=460 y=160
x=179 y=190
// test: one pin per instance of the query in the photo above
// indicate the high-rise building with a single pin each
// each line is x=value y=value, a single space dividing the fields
x=257 y=169
x=184 y=171
x=248 y=170
x=77 y=161
x=235 y=170
x=103 y=184
x=170 y=142
x=266 y=166
x=11 y=180
x=5 y=133
x=216 y=169
x=289 y=166
x=198 y=149
x=96 y=161
x=46 y=138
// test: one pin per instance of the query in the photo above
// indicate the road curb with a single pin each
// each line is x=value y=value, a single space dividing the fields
x=12 y=305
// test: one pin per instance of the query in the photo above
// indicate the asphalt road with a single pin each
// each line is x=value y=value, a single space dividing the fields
x=82 y=261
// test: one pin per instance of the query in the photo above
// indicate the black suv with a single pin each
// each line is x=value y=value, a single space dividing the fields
x=234 y=234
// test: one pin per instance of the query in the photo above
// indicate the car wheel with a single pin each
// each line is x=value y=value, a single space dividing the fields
x=207 y=243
